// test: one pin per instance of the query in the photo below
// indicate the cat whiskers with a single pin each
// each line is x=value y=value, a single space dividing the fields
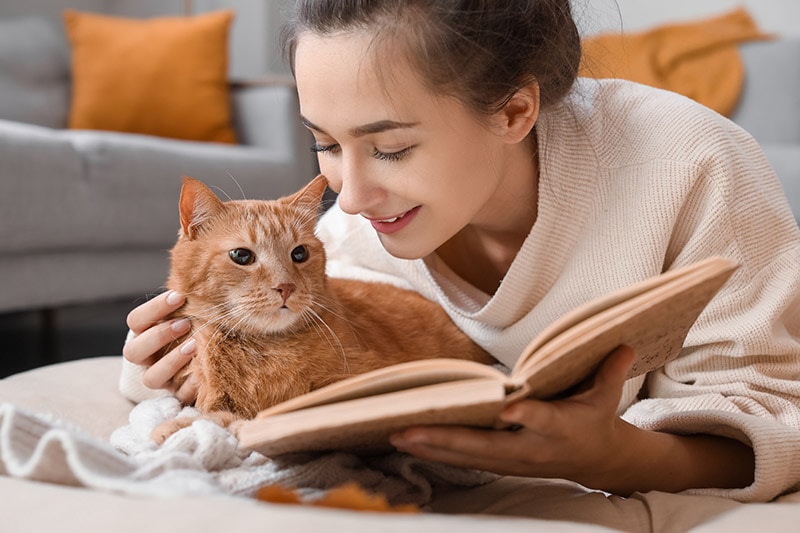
x=237 y=184
x=315 y=321
x=330 y=309
x=224 y=193
x=226 y=321
x=231 y=324
x=235 y=326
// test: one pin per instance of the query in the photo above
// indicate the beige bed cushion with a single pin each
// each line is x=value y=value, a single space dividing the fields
x=30 y=506
x=85 y=393
x=82 y=392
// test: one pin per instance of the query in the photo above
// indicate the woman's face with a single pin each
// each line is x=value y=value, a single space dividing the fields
x=418 y=166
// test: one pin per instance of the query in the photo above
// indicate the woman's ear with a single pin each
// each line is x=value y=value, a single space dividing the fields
x=516 y=119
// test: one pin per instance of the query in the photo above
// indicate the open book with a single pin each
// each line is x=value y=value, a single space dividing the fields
x=359 y=413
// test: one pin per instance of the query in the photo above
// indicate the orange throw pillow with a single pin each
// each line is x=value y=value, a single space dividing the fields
x=164 y=76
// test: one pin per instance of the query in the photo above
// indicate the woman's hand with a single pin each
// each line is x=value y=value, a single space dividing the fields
x=575 y=438
x=152 y=335
x=581 y=438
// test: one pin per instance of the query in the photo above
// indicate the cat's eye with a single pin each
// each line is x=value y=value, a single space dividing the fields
x=242 y=256
x=300 y=254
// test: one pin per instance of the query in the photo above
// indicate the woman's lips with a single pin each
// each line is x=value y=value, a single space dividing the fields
x=395 y=223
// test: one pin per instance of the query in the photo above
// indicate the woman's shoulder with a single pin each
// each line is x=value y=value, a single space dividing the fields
x=625 y=120
x=623 y=97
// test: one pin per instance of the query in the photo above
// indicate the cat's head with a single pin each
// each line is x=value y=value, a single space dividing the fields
x=252 y=266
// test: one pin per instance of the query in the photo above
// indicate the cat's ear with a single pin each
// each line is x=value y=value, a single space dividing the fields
x=310 y=196
x=198 y=203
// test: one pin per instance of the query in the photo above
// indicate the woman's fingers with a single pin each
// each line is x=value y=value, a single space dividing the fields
x=160 y=374
x=187 y=392
x=150 y=334
x=143 y=347
x=154 y=311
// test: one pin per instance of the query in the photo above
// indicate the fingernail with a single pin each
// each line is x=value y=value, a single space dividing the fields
x=180 y=326
x=189 y=347
x=174 y=298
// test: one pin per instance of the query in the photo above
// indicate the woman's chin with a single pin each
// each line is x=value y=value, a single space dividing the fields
x=405 y=248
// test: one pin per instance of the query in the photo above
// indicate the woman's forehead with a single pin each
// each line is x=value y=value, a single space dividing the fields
x=352 y=60
x=339 y=74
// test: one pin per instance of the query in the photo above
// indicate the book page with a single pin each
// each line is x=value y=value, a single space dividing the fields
x=390 y=379
x=365 y=424
x=654 y=323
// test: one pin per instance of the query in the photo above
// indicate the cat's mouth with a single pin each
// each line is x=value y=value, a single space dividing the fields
x=268 y=318
x=279 y=320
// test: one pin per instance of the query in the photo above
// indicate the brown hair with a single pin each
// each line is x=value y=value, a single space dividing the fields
x=479 y=51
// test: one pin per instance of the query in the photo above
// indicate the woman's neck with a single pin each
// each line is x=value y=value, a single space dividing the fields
x=480 y=259
x=482 y=252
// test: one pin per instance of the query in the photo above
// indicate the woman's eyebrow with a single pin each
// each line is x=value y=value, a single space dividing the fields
x=380 y=126
x=367 y=129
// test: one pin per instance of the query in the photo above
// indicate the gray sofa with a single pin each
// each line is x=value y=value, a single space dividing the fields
x=89 y=215
x=769 y=108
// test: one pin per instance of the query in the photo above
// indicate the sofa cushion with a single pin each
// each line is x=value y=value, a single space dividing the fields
x=769 y=106
x=164 y=76
x=34 y=72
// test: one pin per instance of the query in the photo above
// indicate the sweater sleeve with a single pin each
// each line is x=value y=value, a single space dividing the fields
x=130 y=381
x=738 y=373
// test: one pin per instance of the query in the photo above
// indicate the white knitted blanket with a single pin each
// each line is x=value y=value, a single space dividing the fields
x=201 y=459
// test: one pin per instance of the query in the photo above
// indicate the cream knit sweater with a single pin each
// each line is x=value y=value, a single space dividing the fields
x=635 y=181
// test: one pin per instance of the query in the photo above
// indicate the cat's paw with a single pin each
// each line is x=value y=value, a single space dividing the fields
x=235 y=426
x=224 y=419
x=165 y=429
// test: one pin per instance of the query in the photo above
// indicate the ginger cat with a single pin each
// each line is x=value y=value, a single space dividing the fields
x=269 y=324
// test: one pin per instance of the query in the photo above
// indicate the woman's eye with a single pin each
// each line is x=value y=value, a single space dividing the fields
x=242 y=256
x=318 y=148
x=391 y=156
x=300 y=254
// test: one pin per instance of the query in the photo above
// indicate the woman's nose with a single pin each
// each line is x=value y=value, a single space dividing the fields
x=358 y=190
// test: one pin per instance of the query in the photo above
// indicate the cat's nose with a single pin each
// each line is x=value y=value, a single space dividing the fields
x=285 y=290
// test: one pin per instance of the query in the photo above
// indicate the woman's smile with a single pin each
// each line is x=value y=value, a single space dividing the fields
x=395 y=223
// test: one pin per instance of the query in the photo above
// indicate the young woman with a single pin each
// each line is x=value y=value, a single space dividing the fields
x=473 y=167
